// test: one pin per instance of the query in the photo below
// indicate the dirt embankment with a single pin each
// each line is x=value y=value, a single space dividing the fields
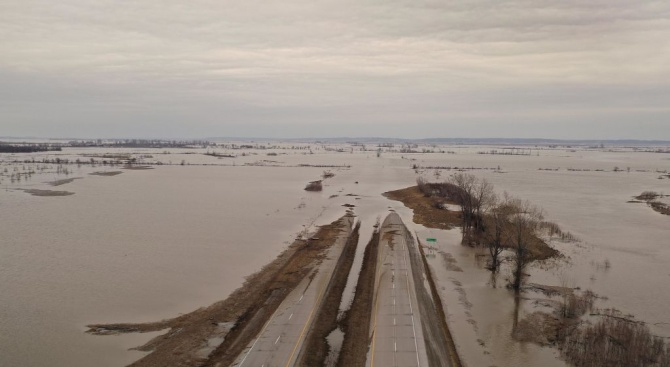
x=356 y=322
x=38 y=192
x=316 y=345
x=137 y=168
x=247 y=309
x=106 y=173
x=63 y=181
x=425 y=209
x=441 y=318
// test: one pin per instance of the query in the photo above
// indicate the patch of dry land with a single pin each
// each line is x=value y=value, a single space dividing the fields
x=63 y=181
x=426 y=211
x=106 y=173
x=137 y=168
x=38 y=192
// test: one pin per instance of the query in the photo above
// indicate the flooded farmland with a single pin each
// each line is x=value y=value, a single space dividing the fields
x=184 y=231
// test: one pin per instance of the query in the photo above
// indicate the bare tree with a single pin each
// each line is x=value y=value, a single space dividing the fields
x=483 y=199
x=465 y=183
x=474 y=196
x=498 y=223
x=524 y=223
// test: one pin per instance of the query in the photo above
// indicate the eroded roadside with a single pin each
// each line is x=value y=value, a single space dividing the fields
x=448 y=346
x=357 y=320
x=317 y=348
x=240 y=317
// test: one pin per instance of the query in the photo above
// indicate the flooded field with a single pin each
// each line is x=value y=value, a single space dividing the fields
x=179 y=229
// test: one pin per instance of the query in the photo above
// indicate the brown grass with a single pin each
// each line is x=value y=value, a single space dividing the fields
x=426 y=211
x=615 y=341
x=317 y=347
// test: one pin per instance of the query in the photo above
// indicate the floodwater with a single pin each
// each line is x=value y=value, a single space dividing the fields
x=151 y=244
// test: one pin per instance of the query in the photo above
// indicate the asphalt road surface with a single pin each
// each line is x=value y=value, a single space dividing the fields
x=397 y=337
x=279 y=343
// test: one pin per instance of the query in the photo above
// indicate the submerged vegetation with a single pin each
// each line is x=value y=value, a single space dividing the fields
x=615 y=341
x=495 y=222
x=314 y=186
x=652 y=200
x=585 y=336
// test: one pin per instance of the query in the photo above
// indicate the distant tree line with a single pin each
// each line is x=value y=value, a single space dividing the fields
x=140 y=143
x=28 y=148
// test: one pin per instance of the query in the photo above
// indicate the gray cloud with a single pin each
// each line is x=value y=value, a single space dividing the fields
x=565 y=69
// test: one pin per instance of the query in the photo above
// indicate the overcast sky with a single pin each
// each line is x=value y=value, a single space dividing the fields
x=478 y=68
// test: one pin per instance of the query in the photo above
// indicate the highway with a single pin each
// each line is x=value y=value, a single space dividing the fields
x=397 y=336
x=405 y=329
x=279 y=342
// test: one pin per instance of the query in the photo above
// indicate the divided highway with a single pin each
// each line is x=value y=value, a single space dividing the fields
x=405 y=328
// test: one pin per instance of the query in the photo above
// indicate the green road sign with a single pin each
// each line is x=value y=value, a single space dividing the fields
x=430 y=239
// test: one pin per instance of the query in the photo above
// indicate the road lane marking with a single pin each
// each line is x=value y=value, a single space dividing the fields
x=277 y=339
x=290 y=317
x=309 y=318
x=259 y=336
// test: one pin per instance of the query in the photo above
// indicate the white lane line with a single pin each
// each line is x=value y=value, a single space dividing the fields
x=290 y=317
x=303 y=295
x=394 y=321
x=395 y=347
x=259 y=336
x=276 y=341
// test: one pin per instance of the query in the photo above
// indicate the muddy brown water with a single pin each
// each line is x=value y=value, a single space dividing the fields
x=150 y=244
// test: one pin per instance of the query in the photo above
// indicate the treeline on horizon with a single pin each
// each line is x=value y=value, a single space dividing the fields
x=139 y=143
x=28 y=148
